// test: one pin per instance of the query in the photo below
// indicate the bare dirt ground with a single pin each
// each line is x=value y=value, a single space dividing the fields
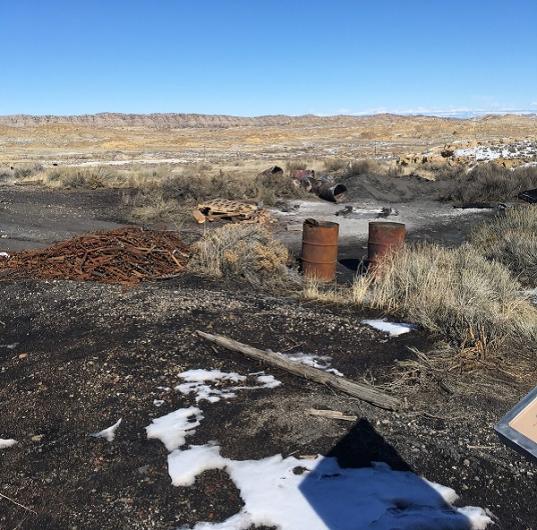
x=87 y=355
x=35 y=217
x=76 y=357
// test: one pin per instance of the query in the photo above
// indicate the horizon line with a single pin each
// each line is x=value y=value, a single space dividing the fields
x=451 y=113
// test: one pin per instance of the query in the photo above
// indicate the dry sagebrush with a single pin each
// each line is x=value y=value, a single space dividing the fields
x=454 y=292
x=175 y=194
x=243 y=251
x=511 y=239
x=488 y=183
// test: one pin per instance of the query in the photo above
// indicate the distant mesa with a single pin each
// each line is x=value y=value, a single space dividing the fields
x=179 y=121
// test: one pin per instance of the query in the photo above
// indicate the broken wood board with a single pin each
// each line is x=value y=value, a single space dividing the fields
x=331 y=414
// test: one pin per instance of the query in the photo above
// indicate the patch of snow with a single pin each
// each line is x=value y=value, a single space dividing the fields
x=201 y=376
x=158 y=402
x=317 y=494
x=313 y=494
x=268 y=381
x=480 y=153
x=185 y=466
x=394 y=329
x=204 y=392
x=523 y=149
x=108 y=434
x=4 y=255
x=7 y=442
x=196 y=383
x=173 y=428
x=527 y=164
x=321 y=362
x=477 y=517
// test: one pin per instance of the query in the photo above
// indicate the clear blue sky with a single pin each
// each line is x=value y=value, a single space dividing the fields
x=252 y=57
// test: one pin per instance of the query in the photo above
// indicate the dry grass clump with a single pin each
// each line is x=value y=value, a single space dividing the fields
x=362 y=167
x=6 y=174
x=81 y=178
x=321 y=292
x=175 y=195
x=511 y=238
x=164 y=193
x=153 y=207
x=19 y=172
x=100 y=177
x=295 y=165
x=25 y=171
x=242 y=251
x=269 y=189
x=454 y=292
x=333 y=165
x=489 y=183
x=358 y=168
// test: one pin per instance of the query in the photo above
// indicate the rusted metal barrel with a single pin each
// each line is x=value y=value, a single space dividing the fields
x=319 y=249
x=384 y=237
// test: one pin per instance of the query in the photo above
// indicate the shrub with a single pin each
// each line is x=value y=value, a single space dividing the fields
x=242 y=251
x=489 y=183
x=82 y=178
x=27 y=171
x=362 y=167
x=269 y=188
x=455 y=292
x=335 y=164
x=176 y=194
x=293 y=165
x=6 y=174
x=511 y=238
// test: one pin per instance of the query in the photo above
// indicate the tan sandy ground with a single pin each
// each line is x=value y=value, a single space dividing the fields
x=121 y=140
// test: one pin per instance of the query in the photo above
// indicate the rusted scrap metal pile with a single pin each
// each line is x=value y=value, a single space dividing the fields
x=124 y=256
x=226 y=210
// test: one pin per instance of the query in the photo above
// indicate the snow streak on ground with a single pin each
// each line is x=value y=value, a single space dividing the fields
x=108 y=434
x=7 y=442
x=96 y=163
x=394 y=329
x=322 y=362
x=196 y=382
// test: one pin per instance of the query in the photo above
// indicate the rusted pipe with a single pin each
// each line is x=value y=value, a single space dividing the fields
x=319 y=249
x=384 y=238
x=331 y=192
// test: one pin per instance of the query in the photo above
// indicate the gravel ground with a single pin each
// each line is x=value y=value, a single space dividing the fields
x=76 y=357
x=88 y=354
